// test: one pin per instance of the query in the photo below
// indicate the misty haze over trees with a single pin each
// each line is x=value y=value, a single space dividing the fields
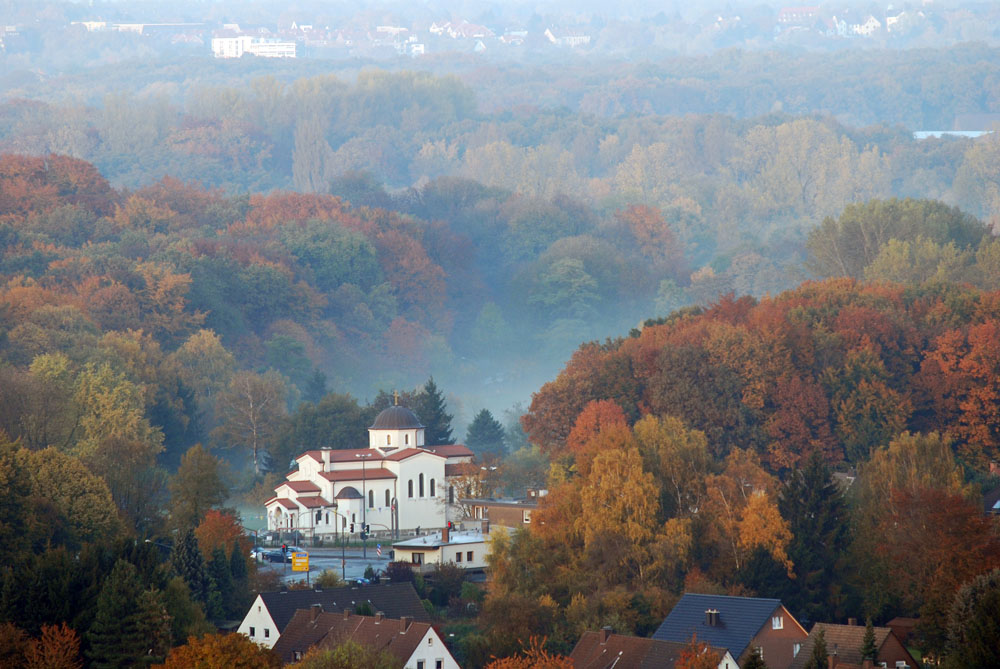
x=652 y=258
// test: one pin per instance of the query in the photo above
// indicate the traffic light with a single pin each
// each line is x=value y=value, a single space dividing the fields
x=352 y=528
x=368 y=528
x=451 y=526
x=284 y=549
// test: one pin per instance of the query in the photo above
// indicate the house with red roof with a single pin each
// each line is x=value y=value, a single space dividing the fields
x=396 y=484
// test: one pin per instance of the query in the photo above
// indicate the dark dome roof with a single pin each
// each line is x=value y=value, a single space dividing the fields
x=396 y=418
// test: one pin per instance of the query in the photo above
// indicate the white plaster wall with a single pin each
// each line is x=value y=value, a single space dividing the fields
x=259 y=618
x=430 y=649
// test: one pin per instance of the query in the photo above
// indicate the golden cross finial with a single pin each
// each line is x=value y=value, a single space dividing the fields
x=395 y=397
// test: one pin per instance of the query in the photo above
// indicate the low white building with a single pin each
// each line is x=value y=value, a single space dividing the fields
x=397 y=484
x=237 y=46
x=467 y=549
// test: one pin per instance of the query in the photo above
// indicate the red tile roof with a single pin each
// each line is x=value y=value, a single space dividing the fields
x=451 y=450
x=407 y=453
x=619 y=650
x=300 y=486
x=327 y=630
x=460 y=469
x=287 y=503
x=357 y=474
x=313 y=502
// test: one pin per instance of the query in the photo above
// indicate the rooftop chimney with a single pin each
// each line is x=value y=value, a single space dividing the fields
x=379 y=615
x=852 y=621
x=314 y=612
x=404 y=624
x=712 y=617
x=347 y=614
x=605 y=633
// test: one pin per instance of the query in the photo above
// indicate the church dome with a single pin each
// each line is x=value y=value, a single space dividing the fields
x=396 y=418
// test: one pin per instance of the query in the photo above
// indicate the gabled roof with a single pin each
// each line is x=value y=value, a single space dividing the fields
x=300 y=486
x=409 y=453
x=287 y=503
x=451 y=450
x=619 y=650
x=846 y=640
x=739 y=620
x=358 y=474
x=314 y=502
x=328 y=630
x=395 y=599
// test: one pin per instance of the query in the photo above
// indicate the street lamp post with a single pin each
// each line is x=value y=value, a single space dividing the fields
x=364 y=503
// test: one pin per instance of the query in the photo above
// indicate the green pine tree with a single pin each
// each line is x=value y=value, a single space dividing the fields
x=154 y=626
x=187 y=562
x=486 y=434
x=755 y=661
x=222 y=584
x=116 y=636
x=431 y=410
x=868 y=649
x=315 y=388
x=820 y=657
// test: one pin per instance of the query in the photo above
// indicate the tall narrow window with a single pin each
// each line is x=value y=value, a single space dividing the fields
x=388 y=440
x=432 y=487
x=451 y=494
x=406 y=440
x=387 y=498
x=319 y=516
x=409 y=488
x=421 y=478
x=371 y=499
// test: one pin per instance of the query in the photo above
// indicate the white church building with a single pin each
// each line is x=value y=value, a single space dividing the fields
x=397 y=484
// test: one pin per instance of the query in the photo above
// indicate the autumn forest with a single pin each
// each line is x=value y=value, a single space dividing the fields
x=763 y=340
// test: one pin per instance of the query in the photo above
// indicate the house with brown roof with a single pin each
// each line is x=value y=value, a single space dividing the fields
x=415 y=645
x=397 y=484
x=844 y=642
x=606 y=650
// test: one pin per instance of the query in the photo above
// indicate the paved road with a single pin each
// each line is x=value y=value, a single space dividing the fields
x=354 y=564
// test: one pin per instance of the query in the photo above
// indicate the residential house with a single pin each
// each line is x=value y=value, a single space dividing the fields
x=605 y=650
x=741 y=625
x=869 y=27
x=566 y=38
x=415 y=645
x=466 y=549
x=511 y=512
x=396 y=484
x=271 y=612
x=844 y=642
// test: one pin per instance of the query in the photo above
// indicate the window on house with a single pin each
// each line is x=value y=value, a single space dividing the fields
x=432 y=487
x=388 y=440
x=327 y=517
x=418 y=558
x=319 y=516
x=406 y=439
x=796 y=647
x=458 y=556
x=430 y=641
x=438 y=664
x=421 y=484
x=297 y=655
x=387 y=501
x=420 y=664
x=468 y=556
x=451 y=494
x=267 y=633
x=371 y=499
x=777 y=623
x=253 y=632
x=258 y=609
x=409 y=488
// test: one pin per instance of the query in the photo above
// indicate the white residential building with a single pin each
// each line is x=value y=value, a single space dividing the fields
x=467 y=549
x=238 y=46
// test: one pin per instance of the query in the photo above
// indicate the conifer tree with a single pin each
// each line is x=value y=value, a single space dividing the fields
x=222 y=582
x=431 y=410
x=755 y=661
x=154 y=626
x=868 y=649
x=819 y=658
x=187 y=562
x=116 y=636
x=486 y=434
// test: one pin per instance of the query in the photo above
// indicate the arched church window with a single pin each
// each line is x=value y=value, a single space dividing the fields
x=371 y=499
x=432 y=487
x=409 y=488
x=421 y=484
x=387 y=502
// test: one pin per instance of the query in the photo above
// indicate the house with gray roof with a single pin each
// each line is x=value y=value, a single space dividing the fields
x=741 y=625
x=271 y=612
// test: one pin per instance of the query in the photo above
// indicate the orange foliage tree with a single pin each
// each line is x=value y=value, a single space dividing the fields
x=221 y=651
x=533 y=657
x=218 y=529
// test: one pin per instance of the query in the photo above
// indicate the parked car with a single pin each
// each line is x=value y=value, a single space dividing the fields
x=275 y=555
